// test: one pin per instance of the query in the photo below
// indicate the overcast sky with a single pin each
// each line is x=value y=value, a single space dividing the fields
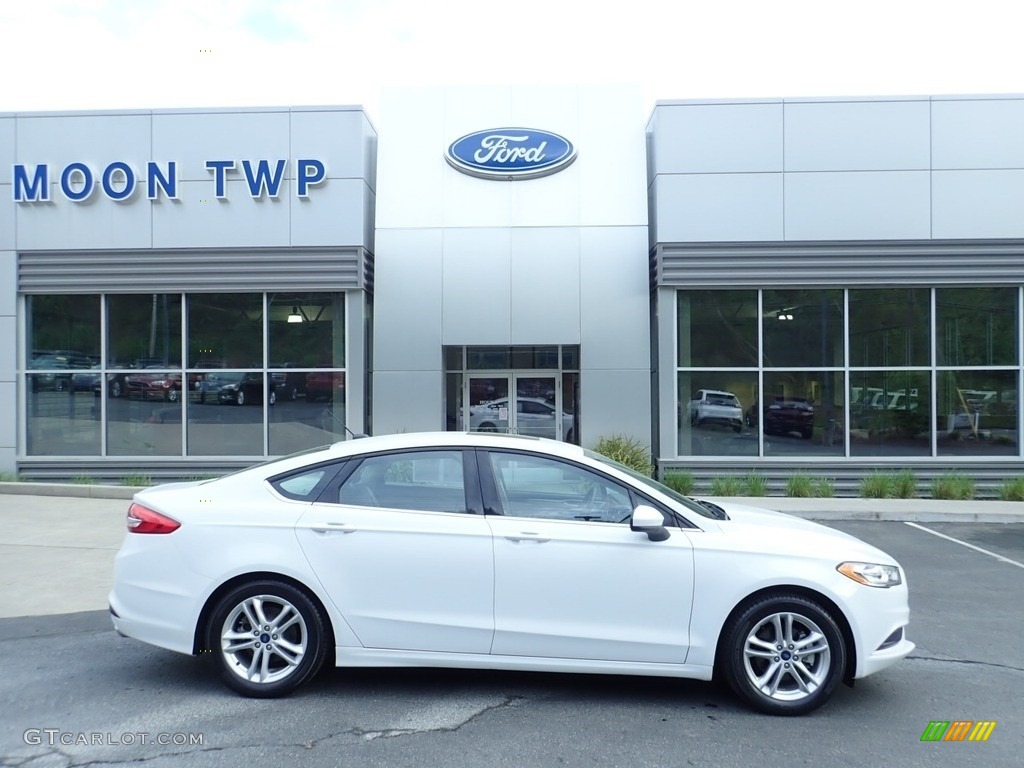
x=102 y=54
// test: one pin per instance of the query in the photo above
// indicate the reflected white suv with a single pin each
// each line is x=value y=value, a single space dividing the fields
x=710 y=406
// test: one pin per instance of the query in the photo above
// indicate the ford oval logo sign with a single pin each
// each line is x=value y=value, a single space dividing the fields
x=510 y=153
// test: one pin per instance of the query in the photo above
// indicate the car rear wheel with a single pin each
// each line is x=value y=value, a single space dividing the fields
x=240 y=398
x=172 y=395
x=267 y=638
x=783 y=654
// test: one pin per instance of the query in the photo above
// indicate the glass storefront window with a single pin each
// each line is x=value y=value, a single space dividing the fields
x=890 y=327
x=976 y=326
x=63 y=332
x=977 y=413
x=225 y=330
x=306 y=330
x=144 y=331
x=717 y=329
x=801 y=413
x=309 y=410
x=890 y=413
x=712 y=410
x=63 y=414
x=803 y=328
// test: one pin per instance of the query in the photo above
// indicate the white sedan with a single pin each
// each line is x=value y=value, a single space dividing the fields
x=499 y=552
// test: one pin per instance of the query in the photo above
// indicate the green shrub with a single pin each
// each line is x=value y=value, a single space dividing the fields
x=681 y=482
x=904 y=485
x=1012 y=489
x=726 y=486
x=953 y=486
x=9 y=477
x=755 y=485
x=83 y=480
x=137 y=480
x=799 y=485
x=824 y=487
x=626 y=450
x=877 y=485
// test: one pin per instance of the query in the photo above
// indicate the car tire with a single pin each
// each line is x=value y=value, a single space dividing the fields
x=784 y=654
x=115 y=388
x=487 y=427
x=272 y=398
x=737 y=428
x=240 y=398
x=172 y=395
x=271 y=664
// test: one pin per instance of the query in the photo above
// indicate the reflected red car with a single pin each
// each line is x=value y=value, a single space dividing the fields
x=325 y=385
x=154 y=386
x=783 y=416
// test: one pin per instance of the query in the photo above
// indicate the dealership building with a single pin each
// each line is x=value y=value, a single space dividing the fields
x=830 y=286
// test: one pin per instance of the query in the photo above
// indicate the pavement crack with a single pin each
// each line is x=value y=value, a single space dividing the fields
x=921 y=657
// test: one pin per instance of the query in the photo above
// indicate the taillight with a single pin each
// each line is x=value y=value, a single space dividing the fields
x=144 y=520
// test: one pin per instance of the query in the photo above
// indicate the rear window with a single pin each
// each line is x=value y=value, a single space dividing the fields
x=715 y=399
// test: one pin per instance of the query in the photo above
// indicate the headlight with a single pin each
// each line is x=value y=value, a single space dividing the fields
x=871 y=574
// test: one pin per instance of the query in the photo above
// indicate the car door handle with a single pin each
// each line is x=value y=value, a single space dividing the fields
x=334 y=528
x=528 y=536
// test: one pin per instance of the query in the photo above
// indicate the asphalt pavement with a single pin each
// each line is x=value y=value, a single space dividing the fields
x=57 y=542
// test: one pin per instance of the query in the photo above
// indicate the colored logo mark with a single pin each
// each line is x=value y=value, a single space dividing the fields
x=958 y=730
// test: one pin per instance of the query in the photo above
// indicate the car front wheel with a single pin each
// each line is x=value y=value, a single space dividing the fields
x=783 y=654
x=267 y=638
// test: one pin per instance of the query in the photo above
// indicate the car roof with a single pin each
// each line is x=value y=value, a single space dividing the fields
x=421 y=440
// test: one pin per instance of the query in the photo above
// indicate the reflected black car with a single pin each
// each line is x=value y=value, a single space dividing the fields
x=784 y=416
x=244 y=389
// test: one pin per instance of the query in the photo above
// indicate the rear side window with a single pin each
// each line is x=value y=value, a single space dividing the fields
x=305 y=485
x=428 y=481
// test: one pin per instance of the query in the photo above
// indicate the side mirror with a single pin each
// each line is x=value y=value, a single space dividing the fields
x=647 y=519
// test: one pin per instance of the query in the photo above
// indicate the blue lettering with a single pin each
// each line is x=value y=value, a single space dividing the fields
x=309 y=172
x=107 y=181
x=262 y=180
x=36 y=191
x=88 y=182
x=220 y=169
x=168 y=183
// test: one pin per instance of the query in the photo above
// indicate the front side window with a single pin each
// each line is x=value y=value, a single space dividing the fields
x=539 y=487
x=426 y=481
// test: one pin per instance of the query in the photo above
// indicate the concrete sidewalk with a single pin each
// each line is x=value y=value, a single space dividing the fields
x=57 y=542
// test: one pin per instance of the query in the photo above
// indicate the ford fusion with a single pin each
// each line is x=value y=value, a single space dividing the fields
x=487 y=551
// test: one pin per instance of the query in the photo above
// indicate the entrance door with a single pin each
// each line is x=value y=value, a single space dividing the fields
x=515 y=403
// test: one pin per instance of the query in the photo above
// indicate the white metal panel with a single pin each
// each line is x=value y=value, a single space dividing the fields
x=8 y=362
x=612 y=157
x=8 y=285
x=193 y=138
x=7 y=150
x=7 y=207
x=339 y=138
x=410 y=164
x=407 y=304
x=718 y=138
x=99 y=223
x=96 y=140
x=857 y=136
x=858 y=206
x=408 y=401
x=197 y=219
x=615 y=402
x=333 y=214
x=545 y=286
x=978 y=204
x=978 y=133
x=718 y=207
x=476 y=273
x=614 y=299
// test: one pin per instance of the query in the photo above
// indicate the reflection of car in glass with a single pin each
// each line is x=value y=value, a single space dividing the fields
x=57 y=362
x=711 y=406
x=244 y=389
x=534 y=416
x=325 y=385
x=785 y=415
x=289 y=384
x=389 y=562
x=153 y=386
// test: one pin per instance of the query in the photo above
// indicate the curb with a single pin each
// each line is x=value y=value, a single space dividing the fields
x=72 y=490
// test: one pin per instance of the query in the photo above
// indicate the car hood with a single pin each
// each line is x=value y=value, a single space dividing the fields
x=776 y=528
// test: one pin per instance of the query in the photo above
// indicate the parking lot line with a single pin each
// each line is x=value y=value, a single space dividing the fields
x=1000 y=558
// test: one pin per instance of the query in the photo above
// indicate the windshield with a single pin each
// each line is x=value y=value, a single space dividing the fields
x=691 y=504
